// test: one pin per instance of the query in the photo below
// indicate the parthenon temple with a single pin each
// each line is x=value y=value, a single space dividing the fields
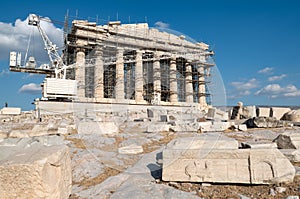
x=135 y=64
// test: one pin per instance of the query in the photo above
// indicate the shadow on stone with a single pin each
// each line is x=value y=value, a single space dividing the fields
x=156 y=171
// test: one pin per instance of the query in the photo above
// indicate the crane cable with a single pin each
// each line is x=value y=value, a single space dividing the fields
x=29 y=41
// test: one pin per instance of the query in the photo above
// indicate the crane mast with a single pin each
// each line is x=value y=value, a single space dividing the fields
x=55 y=60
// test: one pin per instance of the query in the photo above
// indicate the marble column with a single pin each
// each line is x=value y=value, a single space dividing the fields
x=98 y=76
x=129 y=90
x=156 y=78
x=139 y=77
x=119 y=89
x=201 y=87
x=188 y=83
x=173 y=81
x=80 y=73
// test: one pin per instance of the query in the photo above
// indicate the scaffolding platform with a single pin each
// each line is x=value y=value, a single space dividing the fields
x=48 y=72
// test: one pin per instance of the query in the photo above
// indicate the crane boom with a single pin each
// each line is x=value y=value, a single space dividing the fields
x=49 y=46
x=55 y=59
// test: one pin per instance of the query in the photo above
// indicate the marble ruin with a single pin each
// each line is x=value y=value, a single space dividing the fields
x=133 y=63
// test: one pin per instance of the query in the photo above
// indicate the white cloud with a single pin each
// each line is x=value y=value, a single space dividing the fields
x=245 y=85
x=276 y=91
x=161 y=24
x=276 y=78
x=15 y=37
x=238 y=94
x=31 y=88
x=242 y=88
x=267 y=70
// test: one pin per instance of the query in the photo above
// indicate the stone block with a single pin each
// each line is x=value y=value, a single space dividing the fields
x=35 y=172
x=249 y=166
x=217 y=114
x=251 y=111
x=278 y=112
x=167 y=118
x=265 y=122
x=181 y=126
x=155 y=113
x=41 y=130
x=292 y=154
x=63 y=131
x=157 y=127
x=288 y=140
x=131 y=149
x=293 y=116
x=259 y=145
x=263 y=112
x=205 y=126
x=205 y=141
x=240 y=127
x=220 y=126
x=10 y=111
x=97 y=128
x=214 y=126
x=18 y=134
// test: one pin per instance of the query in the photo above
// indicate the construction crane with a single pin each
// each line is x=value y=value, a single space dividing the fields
x=56 y=61
x=53 y=88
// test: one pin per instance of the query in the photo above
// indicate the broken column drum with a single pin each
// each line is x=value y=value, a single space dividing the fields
x=137 y=64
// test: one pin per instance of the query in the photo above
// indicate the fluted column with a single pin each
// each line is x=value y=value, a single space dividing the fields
x=139 y=77
x=188 y=83
x=120 y=75
x=201 y=87
x=80 y=73
x=157 y=77
x=98 y=76
x=173 y=81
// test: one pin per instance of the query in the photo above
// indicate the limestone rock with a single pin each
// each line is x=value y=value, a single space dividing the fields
x=37 y=171
x=288 y=140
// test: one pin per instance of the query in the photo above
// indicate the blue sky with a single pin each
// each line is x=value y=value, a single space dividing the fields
x=256 y=42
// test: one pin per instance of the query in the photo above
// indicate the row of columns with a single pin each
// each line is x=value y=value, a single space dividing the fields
x=119 y=87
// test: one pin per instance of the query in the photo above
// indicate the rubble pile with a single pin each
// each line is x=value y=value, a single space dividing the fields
x=156 y=152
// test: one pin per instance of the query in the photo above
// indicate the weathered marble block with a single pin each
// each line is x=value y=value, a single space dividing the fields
x=212 y=162
x=37 y=171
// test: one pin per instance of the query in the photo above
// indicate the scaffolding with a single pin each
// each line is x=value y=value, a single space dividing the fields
x=156 y=46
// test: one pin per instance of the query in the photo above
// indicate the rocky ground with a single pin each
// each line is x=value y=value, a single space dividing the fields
x=97 y=162
x=128 y=163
